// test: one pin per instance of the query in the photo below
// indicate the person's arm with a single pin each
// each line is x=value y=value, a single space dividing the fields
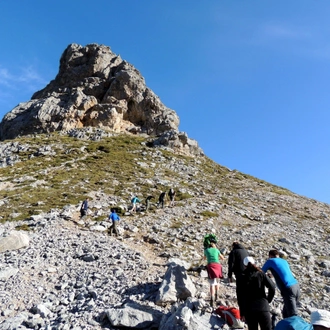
x=231 y=260
x=221 y=256
x=266 y=266
x=271 y=288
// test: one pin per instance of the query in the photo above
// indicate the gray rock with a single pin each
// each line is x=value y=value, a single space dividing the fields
x=16 y=240
x=176 y=285
x=133 y=315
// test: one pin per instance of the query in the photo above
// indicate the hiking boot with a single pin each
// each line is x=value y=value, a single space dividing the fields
x=216 y=297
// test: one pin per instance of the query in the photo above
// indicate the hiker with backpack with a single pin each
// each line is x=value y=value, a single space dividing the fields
x=285 y=281
x=214 y=268
x=255 y=309
x=236 y=266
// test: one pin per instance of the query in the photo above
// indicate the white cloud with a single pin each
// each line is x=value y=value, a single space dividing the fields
x=282 y=31
x=27 y=76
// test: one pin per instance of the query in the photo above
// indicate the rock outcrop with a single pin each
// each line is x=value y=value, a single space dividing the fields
x=96 y=88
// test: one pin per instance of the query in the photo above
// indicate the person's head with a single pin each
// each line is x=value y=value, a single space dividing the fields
x=235 y=245
x=250 y=264
x=320 y=319
x=248 y=261
x=213 y=242
x=273 y=254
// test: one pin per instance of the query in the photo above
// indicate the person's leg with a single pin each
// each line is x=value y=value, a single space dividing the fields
x=110 y=229
x=212 y=290
x=217 y=288
x=239 y=290
x=265 y=321
x=290 y=296
x=114 y=228
x=251 y=320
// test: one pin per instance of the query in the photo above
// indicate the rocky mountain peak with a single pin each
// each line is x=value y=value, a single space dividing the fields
x=96 y=88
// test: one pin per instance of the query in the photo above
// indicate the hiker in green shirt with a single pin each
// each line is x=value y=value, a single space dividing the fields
x=214 y=269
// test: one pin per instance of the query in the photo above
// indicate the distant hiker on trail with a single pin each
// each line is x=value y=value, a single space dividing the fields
x=114 y=218
x=255 y=309
x=171 y=195
x=134 y=200
x=285 y=281
x=148 y=202
x=214 y=269
x=84 y=208
x=236 y=266
x=161 y=199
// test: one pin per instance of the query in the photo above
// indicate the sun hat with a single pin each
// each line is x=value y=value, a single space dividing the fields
x=248 y=260
x=321 y=317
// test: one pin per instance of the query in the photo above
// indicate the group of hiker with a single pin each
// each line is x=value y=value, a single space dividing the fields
x=251 y=282
x=114 y=218
x=161 y=200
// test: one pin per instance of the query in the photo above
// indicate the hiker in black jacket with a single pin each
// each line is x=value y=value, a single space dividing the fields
x=236 y=266
x=255 y=309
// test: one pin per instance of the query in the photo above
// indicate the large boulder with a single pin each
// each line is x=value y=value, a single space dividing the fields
x=176 y=285
x=16 y=240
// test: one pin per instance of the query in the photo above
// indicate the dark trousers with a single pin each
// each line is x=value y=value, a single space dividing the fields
x=113 y=228
x=253 y=319
x=239 y=290
x=83 y=213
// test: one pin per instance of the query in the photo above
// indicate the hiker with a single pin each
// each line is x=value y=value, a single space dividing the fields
x=84 y=208
x=236 y=266
x=134 y=200
x=285 y=281
x=320 y=320
x=171 y=195
x=161 y=199
x=214 y=269
x=255 y=309
x=148 y=202
x=114 y=218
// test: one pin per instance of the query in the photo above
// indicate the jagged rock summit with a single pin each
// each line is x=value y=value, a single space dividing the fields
x=96 y=88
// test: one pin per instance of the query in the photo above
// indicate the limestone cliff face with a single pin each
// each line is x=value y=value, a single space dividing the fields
x=96 y=88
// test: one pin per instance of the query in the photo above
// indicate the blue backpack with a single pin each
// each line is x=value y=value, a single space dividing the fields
x=293 y=323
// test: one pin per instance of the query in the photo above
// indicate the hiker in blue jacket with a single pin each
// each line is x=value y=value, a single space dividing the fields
x=114 y=218
x=285 y=281
x=134 y=201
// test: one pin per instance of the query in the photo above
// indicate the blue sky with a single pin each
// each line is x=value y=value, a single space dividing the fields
x=248 y=79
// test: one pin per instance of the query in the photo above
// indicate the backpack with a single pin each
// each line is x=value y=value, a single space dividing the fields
x=293 y=322
x=207 y=240
x=231 y=315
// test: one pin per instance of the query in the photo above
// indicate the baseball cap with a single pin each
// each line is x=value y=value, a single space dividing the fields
x=247 y=260
x=321 y=317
